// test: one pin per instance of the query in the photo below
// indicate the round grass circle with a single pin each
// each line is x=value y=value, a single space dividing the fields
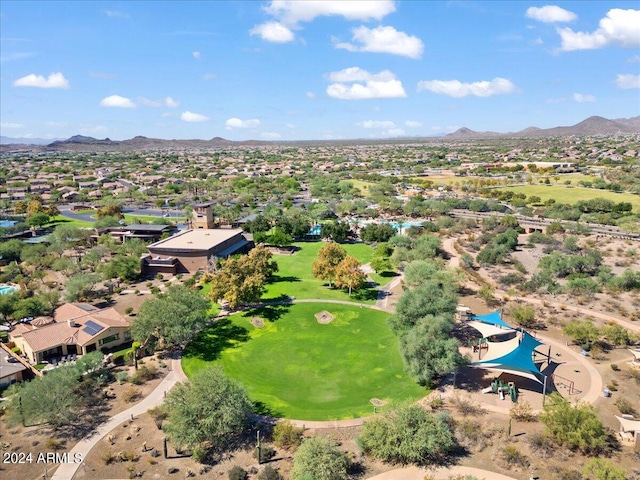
x=296 y=367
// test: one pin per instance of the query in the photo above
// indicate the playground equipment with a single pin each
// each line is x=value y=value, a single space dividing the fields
x=503 y=389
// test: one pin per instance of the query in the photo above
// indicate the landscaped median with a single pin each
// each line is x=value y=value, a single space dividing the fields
x=310 y=361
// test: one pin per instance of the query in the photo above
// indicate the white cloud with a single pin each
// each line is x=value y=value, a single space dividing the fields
x=550 y=14
x=209 y=76
x=11 y=125
x=384 y=40
x=237 y=123
x=270 y=135
x=582 y=98
x=273 y=32
x=634 y=59
x=196 y=55
x=57 y=124
x=628 y=80
x=116 y=14
x=377 y=124
x=455 y=88
x=412 y=124
x=165 y=102
x=357 y=74
x=619 y=27
x=117 y=101
x=16 y=56
x=55 y=80
x=395 y=132
x=310 y=95
x=87 y=129
x=376 y=85
x=193 y=117
x=291 y=12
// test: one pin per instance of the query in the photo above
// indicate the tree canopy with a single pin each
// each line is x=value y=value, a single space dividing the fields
x=205 y=411
x=349 y=274
x=325 y=266
x=408 y=434
x=171 y=318
x=241 y=279
x=318 y=458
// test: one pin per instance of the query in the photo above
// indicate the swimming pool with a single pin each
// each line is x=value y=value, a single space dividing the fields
x=7 y=223
x=8 y=289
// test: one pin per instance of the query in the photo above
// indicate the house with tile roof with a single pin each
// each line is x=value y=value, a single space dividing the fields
x=76 y=329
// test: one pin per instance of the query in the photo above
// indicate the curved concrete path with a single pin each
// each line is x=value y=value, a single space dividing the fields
x=441 y=473
x=66 y=471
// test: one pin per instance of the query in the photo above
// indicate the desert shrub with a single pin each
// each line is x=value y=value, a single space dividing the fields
x=522 y=412
x=158 y=414
x=466 y=406
x=146 y=373
x=128 y=456
x=575 y=427
x=286 y=435
x=131 y=395
x=557 y=472
x=53 y=444
x=542 y=445
x=408 y=434
x=122 y=377
x=129 y=310
x=269 y=473
x=237 y=473
x=320 y=459
x=601 y=469
x=473 y=435
x=625 y=406
x=108 y=457
x=510 y=456
x=266 y=453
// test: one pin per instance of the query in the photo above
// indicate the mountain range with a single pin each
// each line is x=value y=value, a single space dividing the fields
x=591 y=126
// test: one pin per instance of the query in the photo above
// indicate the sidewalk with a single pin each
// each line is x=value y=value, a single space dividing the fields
x=441 y=473
x=66 y=471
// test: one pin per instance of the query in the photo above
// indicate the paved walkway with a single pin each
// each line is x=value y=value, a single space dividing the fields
x=441 y=473
x=66 y=471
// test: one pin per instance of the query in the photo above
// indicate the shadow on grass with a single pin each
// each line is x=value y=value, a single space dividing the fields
x=270 y=313
x=284 y=279
x=365 y=294
x=211 y=341
x=389 y=274
x=260 y=408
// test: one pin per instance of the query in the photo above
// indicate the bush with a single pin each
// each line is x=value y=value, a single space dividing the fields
x=542 y=445
x=602 y=469
x=408 y=434
x=145 y=373
x=108 y=457
x=286 y=435
x=522 y=412
x=122 y=377
x=128 y=310
x=16 y=350
x=512 y=457
x=237 y=473
x=625 y=406
x=319 y=458
x=269 y=473
x=131 y=395
x=53 y=444
x=575 y=427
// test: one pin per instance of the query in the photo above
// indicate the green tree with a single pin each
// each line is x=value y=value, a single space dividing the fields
x=318 y=458
x=408 y=434
x=575 y=427
x=349 y=274
x=429 y=350
x=582 y=332
x=124 y=267
x=329 y=257
x=207 y=411
x=279 y=238
x=430 y=298
x=617 y=335
x=38 y=219
x=381 y=264
x=523 y=314
x=79 y=286
x=171 y=318
x=601 y=469
x=241 y=279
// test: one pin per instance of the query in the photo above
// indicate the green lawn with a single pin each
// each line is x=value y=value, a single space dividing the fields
x=563 y=194
x=295 y=367
x=61 y=219
x=294 y=276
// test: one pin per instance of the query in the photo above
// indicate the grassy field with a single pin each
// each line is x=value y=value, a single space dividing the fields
x=361 y=185
x=295 y=367
x=62 y=220
x=294 y=275
x=565 y=194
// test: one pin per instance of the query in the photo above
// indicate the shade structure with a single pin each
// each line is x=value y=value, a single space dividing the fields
x=493 y=318
x=488 y=329
x=631 y=425
x=513 y=357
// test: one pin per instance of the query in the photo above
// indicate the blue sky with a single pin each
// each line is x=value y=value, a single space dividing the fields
x=295 y=70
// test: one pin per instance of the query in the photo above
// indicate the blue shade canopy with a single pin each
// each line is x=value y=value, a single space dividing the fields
x=492 y=318
x=518 y=361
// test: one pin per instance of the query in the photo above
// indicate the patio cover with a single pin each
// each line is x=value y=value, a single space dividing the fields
x=493 y=318
x=518 y=359
x=628 y=424
x=636 y=354
x=487 y=329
